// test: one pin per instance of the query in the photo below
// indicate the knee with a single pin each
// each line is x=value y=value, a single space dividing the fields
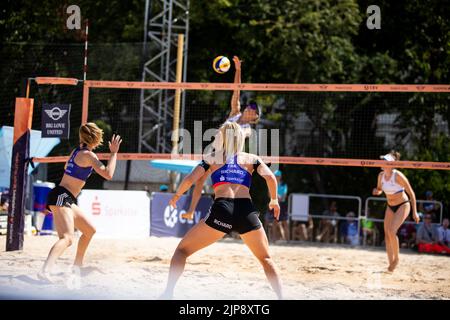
x=266 y=262
x=387 y=231
x=391 y=232
x=387 y=236
x=181 y=252
x=90 y=232
x=68 y=239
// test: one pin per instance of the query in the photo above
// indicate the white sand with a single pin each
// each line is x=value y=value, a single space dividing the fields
x=137 y=269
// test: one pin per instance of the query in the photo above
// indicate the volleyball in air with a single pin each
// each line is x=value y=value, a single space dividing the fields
x=221 y=64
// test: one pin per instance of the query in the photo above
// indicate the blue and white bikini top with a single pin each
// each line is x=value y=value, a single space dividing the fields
x=75 y=170
x=231 y=172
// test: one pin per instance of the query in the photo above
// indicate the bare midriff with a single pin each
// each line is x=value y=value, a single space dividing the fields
x=72 y=184
x=229 y=190
x=397 y=198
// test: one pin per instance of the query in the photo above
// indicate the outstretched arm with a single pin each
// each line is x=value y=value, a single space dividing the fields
x=235 y=103
x=107 y=172
x=187 y=182
x=272 y=184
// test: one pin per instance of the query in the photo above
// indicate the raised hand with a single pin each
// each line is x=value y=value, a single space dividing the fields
x=237 y=63
x=114 y=144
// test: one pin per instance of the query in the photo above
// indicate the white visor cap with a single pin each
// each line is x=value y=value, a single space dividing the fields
x=388 y=157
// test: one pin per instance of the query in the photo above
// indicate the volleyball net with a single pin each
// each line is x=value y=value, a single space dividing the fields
x=337 y=125
x=325 y=138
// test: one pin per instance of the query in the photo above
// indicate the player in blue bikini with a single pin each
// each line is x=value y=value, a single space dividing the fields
x=61 y=201
x=250 y=115
x=232 y=210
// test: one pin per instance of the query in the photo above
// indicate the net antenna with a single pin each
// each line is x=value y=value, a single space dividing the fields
x=86 y=50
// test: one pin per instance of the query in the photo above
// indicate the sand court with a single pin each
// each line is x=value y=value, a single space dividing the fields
x=138 y=269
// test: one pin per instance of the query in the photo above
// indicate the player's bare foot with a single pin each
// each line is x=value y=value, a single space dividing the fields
x=45 y=276
x=166 y=296
x=393 y=265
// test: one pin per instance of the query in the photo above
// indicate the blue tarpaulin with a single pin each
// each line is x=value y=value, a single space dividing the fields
x=183 y=166
x=39 y=147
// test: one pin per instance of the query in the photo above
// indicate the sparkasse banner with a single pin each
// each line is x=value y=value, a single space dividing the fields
x=117 y=213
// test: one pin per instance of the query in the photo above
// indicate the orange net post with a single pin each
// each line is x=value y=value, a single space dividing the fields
x=55 y=81
x=85 y=107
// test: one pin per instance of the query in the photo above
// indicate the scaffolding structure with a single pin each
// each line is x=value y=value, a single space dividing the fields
x=164 y=20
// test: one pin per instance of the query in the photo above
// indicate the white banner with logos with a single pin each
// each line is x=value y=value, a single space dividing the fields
x=117 y=213
x=299 y=206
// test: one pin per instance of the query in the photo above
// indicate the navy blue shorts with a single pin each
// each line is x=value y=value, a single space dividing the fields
x=228 y=214
x=60 y=197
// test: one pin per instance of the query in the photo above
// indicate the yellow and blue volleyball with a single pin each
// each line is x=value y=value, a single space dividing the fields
x=221 y=64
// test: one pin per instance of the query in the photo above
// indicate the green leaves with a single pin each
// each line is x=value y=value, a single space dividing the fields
x=438 y=150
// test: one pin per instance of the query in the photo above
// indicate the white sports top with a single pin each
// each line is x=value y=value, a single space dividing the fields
x=236 y=118
x=391 y=186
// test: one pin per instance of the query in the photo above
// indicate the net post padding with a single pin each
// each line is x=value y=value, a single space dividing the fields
x=270 y=159
x=85 y=106
x=19 y=166
x=55 y=80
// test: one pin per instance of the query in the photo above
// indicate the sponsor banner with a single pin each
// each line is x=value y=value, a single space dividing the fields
x=167 y=222
x=117 y=213
x=55 y=120
x=299 y=207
